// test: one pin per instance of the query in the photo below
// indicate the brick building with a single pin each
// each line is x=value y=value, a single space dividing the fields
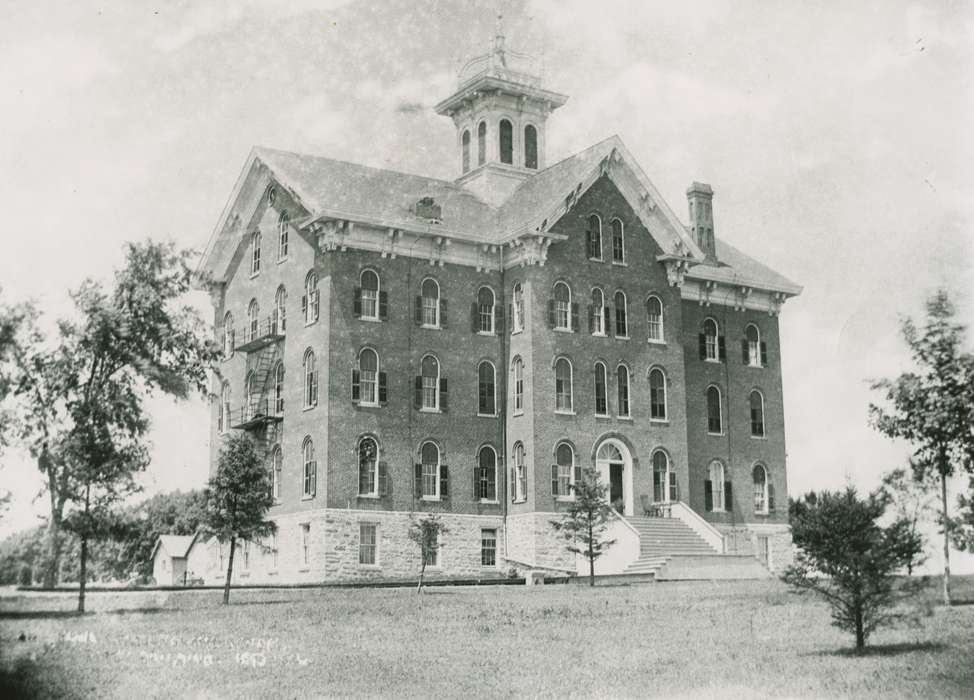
x=401 y=344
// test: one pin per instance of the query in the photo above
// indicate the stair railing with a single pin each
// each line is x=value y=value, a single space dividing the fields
x=692 y=519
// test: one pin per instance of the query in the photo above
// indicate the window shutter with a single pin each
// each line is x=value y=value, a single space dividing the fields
x=770 y=496
x=499 y=318
x=383 y=479
x=314 y=477
x=356 y=386
x=554 y=480
x=551 y=313
x=674 y=492
x=708 y=495
x=728 y=497
x=764 y=354
x=304 y=305
x=607 y=315
x=476 y=483
x=702 y=343
x=442 y=313
x=418 y=480
x=314 y=388
x=419 y=311
x=418 y=393
x=444 y=396
x=314 y=298
x=444 y=481
x=575 y=325
x=745 y=355
x=383 y=306
x=383 y=394
x=721 y=348
x=591 y=319
x=578 y=473
x=513 y=484
x=357 y=304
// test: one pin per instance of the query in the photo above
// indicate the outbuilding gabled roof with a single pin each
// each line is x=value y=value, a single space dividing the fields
x=176 y=546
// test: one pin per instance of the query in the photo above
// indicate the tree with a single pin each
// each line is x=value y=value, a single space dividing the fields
x=911 y=502
x=176 y=513
x=238 y=497
x=933 y=407
x=82 y=400
x=850 y=560
x=962 y=527
x=584 y=523
x=427 y=534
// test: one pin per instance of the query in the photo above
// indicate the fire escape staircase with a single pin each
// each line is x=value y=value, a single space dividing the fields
x=260 y=415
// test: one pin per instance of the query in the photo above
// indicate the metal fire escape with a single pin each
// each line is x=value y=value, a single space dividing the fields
x=263 y=410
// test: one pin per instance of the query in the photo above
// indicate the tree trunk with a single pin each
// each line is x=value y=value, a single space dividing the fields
x=422 y=570
x=50 y=577
x=860 y=634
x=84 y=573
x=943 y=505
x=591 y=557
x=226 y=586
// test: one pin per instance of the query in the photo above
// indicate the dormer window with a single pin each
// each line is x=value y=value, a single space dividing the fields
x=506 y=142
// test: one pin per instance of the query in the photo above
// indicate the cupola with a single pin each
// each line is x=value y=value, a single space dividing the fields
x=500 y=111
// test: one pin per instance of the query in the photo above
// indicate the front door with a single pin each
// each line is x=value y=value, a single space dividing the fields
x=615 y=486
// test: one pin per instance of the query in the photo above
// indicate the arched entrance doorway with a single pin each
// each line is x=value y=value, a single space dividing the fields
x=614 y=464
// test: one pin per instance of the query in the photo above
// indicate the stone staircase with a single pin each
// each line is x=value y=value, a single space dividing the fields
x=670 y=550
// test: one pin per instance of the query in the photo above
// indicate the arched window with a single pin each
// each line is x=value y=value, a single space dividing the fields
x=622 y=315
x=709 y=343
x=310 y=300
x=597 y=314
x=563 y=385
x=255 y=253
x=484 y=313
x=283 y=225
x=760 y=478
x=369 y=295
x=622 y=384
x=654 y=315
x=310 y=468
x=310 y=379
x=757 y=414
x=506 y=142
x=530 y=147
x=368 y=370
x=657 y=394
x=228 y=335
x=279 y=389
x=430 y=384
x=563 y=472
x=518 y=369
x=277 y=464
x=253 y=320
x=487 y=402
x=519 y=476
x=430 y=303
x=280 y=310
x=664 y=478
x=430 y=471
x=752 y=346
x=481 y=143
x=487 y=474
x=714 y=493
x=223 y=419
x=253 y=391
x=715 y=419
x=618 y=242
x=593 y=237
x=562 y=307
x=465 y=150
x=368 y=469
x=518 y=296
x=601 y=398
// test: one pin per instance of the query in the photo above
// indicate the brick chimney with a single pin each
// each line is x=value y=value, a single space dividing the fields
x=700 y=197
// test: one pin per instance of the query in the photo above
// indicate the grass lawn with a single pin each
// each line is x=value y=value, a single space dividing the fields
x=699 y=639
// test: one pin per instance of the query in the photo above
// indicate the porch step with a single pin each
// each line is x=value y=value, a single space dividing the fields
x=662 y=537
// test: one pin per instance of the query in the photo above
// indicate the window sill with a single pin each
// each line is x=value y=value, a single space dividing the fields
x=625 y=418
x=656 y=342
x=721 y=434
x=559 y=329
x=363 y=404
x=430 y=410
x=599 y=334
x=620 y=263
x=255 y=274
x=310 y=323
x=429 y=327
x=282 y=260
x=759 y=437
x=306 y=497
x=602 y=415
x=564 y=413
x=370 y=319
x=370 y=567
x=750 y=366
x=517 y=331
x=598 y=260
x=430 y=499
x=519 y=412
x=488 y=502
x=309 y=408
x=369 y=496
x=712 y=360
x=519 y=501
x=487 y=415
x=622 y=337
x=486 y=334
x=659 y=421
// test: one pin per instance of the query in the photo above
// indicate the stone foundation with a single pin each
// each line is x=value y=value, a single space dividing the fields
x=531 y=540
x=746 y=540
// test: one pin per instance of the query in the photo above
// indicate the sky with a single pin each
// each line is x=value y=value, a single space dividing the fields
x=836 y=137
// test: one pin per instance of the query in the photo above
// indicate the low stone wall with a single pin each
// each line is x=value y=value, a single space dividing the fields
x=745 y=539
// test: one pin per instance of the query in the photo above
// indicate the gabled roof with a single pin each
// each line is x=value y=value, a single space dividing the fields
x=176 y=546
x=329 y=188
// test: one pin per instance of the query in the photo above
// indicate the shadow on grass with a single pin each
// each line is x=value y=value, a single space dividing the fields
x=964 y=601
x=886 y=649
x=38 y=614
